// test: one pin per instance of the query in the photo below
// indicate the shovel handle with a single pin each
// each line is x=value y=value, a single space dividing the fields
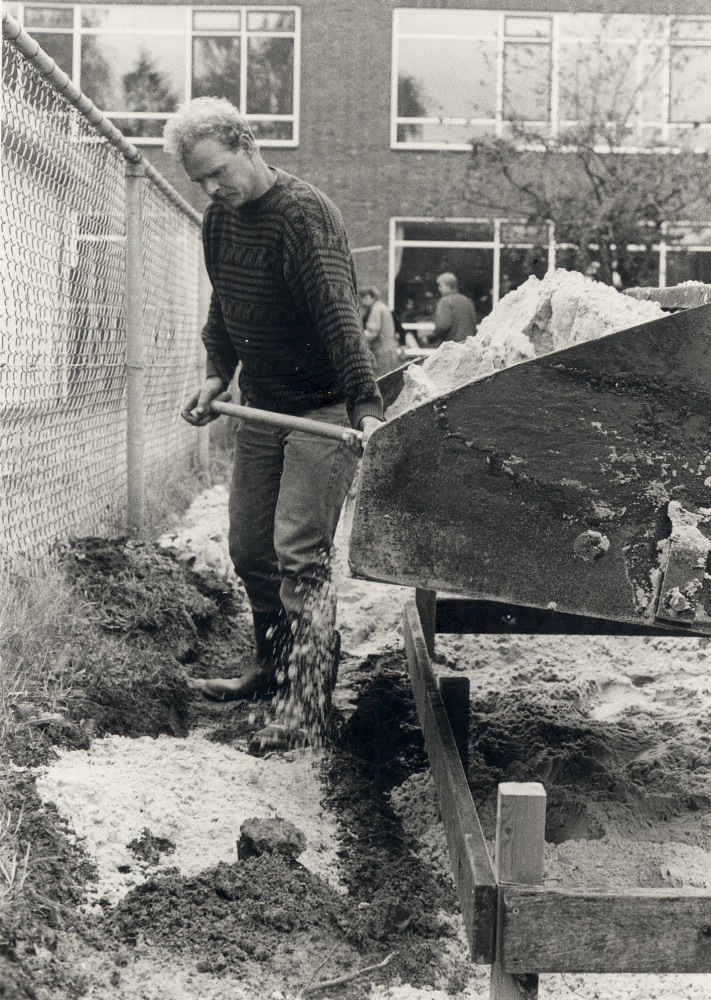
x=287 y=421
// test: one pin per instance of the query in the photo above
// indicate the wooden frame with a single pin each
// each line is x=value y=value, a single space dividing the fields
x=523 y=929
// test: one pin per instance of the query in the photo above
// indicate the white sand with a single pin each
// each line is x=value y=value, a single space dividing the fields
x=562 y=310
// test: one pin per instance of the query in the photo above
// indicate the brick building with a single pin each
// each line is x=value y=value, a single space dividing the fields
x=378 y=103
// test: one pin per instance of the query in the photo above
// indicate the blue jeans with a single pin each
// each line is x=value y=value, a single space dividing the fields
x=288 y=488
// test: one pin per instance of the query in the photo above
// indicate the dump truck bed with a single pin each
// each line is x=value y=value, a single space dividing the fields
x=580 y=481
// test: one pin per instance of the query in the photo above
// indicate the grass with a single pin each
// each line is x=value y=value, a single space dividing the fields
x=40 y=614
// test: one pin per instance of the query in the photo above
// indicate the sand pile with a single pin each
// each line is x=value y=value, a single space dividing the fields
x=192 y=795
x=563 y=309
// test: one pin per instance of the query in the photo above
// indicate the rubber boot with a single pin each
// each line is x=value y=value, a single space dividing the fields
x=266 y=674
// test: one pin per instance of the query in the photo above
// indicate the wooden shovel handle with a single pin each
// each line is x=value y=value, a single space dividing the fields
x=287 y=421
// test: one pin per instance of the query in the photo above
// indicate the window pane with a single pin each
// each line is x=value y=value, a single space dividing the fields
x=472 y=232
x=216 y=63
x=133 y=72
x=449 y=22
x=688 y=265
x=416 y=283
x=517 y=265
x=527 y=75
x=141 y=128
x=59 y=47
x=270 y=76
x=639 y=269
x=520 y=232
x=611 y=26
x=690 y=97
x=443 y=135
x=699 y=235
x=272 y=130
x=598 y=80
x=217 y=20
x=263 y=21
x=530 y=27
x=48 y=17
x=694 y=29
x=126 y=18
x=696 y=137
x=651 y=86
x=446 y=79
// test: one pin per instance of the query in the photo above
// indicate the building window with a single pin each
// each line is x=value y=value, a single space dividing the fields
x=137 y=64
x=491 y=257
x=459 y=75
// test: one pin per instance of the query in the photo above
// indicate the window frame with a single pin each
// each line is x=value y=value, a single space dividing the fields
x=663 y=123
x=662 y=248
x=77 y=31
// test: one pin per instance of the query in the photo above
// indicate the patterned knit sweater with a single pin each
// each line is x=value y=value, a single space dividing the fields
x=284 y=303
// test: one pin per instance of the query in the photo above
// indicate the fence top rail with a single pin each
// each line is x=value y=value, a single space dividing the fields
x=33 y=53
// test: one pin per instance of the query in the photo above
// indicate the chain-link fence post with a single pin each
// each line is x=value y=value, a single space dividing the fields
x=135 y=517
x=203 y=434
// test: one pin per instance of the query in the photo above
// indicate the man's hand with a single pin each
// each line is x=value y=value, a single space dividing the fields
x=197 y=408
x=368 y=425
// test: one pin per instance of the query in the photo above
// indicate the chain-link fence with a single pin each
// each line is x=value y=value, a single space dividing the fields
x=64 y=368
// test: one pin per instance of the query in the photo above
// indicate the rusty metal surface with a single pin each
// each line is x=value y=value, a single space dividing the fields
x=548 y=484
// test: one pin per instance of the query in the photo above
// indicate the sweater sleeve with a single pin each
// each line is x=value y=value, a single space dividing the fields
x=222 y=359
x=320 y=273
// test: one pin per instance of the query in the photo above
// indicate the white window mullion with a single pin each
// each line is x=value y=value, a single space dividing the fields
x=76 y=47
x=551 y=246
x=297 y=78
x=666 y=79
x=188 y=53
x=243 y=63
x=499 y=126
x=392 y=259
x=663 y=257
x=555 y=74
x=394 y=80
x=497 y=262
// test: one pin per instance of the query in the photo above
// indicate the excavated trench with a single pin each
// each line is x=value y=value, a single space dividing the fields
x=617 y=731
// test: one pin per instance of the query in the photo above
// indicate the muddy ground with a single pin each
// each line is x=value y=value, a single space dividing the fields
x=618 y=731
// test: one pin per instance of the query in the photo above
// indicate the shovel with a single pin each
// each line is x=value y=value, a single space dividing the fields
x=288 y=422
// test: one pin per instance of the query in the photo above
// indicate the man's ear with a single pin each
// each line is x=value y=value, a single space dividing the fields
x=246 y=144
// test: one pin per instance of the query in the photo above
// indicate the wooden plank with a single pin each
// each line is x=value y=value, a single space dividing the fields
x=426 y=601
x=454 y=692
x=471 y=865
x=520 y=843
x=585 y=930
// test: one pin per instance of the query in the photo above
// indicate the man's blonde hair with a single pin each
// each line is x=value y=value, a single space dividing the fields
x=202 y=118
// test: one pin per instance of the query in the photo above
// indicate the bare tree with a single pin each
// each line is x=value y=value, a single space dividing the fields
x=605 y=179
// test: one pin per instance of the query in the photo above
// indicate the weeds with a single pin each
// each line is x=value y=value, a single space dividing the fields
x=13 y=865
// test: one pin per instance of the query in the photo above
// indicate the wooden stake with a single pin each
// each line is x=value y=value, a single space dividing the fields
x=520 y=839
x=454 y=692
x=426 y=601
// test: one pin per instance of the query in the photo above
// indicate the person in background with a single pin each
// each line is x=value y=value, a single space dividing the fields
x=284 y=305
x=379 y=331
x=455 y=315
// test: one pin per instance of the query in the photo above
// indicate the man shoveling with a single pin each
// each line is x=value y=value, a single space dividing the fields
x=284 y=304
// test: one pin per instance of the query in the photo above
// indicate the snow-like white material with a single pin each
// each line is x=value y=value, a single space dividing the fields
x=563 y=309
x=193 y=792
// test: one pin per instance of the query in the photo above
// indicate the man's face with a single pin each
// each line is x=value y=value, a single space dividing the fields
x=443 y=287
x=225 y=175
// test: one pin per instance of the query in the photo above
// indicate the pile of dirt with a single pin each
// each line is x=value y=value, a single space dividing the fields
x=264 y=908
